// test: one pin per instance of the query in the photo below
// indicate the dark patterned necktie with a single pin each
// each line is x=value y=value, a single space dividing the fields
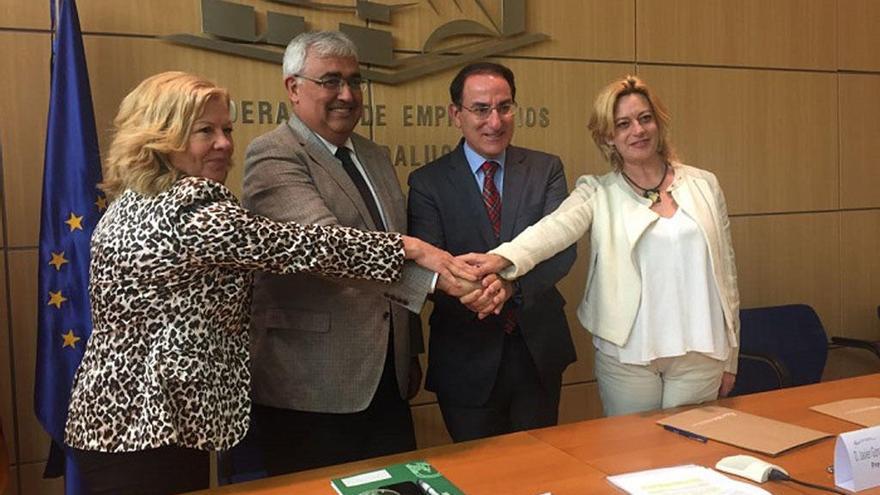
x=492 y=202
x=491 y=198
x=351 y=169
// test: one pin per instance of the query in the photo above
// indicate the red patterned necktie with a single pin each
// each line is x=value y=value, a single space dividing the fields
x=492 y=202
x=491 y=198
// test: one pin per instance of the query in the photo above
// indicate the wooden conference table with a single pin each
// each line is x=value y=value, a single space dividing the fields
x=575 y=458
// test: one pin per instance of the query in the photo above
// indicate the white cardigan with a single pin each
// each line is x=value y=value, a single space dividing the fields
x=616 y=218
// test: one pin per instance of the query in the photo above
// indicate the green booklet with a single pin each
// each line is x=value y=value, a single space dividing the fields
x=420 y=472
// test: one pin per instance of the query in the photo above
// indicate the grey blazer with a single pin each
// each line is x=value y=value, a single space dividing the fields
x=318 y=344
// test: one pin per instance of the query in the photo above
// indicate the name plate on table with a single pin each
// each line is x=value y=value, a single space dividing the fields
x=857 y=459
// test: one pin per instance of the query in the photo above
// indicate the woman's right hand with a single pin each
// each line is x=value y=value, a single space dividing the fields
x=485 y=264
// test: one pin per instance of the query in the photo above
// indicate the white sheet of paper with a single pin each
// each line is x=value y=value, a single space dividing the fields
x=688 y=479
x=857 y=459
x=361 y=479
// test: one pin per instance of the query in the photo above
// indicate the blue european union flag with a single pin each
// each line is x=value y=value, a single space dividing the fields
x=71 y=207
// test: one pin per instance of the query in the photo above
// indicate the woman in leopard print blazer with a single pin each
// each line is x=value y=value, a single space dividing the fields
x=165 y=376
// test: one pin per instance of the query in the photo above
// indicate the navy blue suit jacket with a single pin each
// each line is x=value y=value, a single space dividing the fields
x=446 y=209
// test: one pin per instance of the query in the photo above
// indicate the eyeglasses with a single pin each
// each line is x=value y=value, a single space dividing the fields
x=483 y=112
x=335 y=83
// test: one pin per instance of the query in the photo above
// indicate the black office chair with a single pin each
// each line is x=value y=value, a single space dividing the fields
x=858 y=343
x=786 y=346
x=780 y=346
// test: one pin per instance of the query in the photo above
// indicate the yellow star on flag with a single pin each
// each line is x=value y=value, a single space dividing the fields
x=58 y=259
x=70 y=339
x=101 y=203
x=74 y=222
x=55 y=299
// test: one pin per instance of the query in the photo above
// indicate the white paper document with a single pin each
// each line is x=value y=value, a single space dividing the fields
x=682 y=480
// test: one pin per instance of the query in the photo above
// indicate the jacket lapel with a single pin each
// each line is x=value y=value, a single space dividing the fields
x=374 y=162
x=461 y=180
x=637 y=216
x=322 y=157
x=515 y=174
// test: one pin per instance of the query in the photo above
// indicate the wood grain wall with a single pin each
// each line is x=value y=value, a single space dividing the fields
x=779 y=98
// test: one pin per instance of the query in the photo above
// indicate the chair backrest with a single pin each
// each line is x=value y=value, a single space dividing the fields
x=792 y=336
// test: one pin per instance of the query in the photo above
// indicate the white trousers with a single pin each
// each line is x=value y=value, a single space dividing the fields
x=665 y=382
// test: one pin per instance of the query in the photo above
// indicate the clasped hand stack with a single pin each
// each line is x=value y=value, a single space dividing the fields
x=472 y=278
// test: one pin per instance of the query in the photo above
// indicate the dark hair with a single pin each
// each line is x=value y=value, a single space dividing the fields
x=457 y=86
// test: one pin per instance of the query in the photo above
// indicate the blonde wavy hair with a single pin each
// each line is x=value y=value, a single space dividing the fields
x=153 y=121
x=602 y=119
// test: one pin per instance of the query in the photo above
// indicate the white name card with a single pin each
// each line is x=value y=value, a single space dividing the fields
x=857 y=459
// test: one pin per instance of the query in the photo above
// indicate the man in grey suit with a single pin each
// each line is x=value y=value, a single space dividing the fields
x=333 y=362
x=502 y=373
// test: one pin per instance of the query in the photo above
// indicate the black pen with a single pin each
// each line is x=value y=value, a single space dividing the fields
x=684 y=433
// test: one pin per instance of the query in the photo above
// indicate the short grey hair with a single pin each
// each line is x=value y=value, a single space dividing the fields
x=321 y=44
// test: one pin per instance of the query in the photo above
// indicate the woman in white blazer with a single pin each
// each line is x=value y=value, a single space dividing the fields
x=661 y=298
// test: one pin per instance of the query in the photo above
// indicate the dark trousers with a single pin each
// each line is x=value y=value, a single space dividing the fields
x=293 y=440
x=518 y=401
x=162 y=471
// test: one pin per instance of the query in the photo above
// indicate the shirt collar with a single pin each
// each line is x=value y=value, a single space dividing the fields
x=332 y=147
x=475 y=160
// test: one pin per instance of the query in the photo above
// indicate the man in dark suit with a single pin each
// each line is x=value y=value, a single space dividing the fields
x=502 y=373
x=333 y=361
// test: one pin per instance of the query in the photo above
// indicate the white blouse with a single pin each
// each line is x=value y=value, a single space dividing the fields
x=680 y=309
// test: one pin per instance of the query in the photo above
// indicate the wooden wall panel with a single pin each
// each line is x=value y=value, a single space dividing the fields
x=857 y=22
x=768 y=135
x=2 y=202
x=430 y=429
x=7 y=406
x=424 y=396
x=754 y=33
x=860 y=273
x=569 y=109
x=788 y=259
x=592 y=29
x=34 y=442
x=859 y=137
x=248 y=80
x=26 y=97
x=579 y=402
x=573 y=287
x=416 y=114
x=153 y=17
x=32 y=481
x=845 y=362
x=582 y=29
x=12 y=488
x=413 y=121
x=24 y=14
x=160 y=17
x=250 y=83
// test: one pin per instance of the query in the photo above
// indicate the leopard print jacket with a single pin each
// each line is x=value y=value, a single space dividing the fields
x=170 y=286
